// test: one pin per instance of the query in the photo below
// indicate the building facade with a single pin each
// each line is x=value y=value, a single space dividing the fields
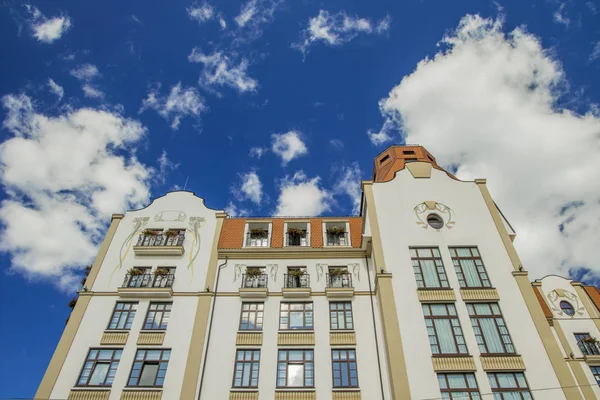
x=421 y=296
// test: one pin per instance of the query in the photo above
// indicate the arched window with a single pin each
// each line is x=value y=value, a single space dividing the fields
x=567 y=308
x=435 y=221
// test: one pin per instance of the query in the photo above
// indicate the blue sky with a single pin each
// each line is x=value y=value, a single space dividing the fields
x=277 y=107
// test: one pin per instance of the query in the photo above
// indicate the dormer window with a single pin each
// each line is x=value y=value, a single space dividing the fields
x=336 y=234
x=257 y=234
x=296 y=234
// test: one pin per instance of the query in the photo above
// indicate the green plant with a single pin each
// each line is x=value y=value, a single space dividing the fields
x=150 y=232
x=253 y=271
x=295 y=231
x=336 y=230
x=590 y=340
x=296 y=272
x=135 y=271
x=161 y=271
x=171 y=233
x=338 y=271
x=258 y=232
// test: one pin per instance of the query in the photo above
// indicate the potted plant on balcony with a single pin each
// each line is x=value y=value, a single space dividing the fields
x=161 y=271
x=135 y=271
x=258 y=232
x=295 y=231
x=589 y=340
x=338 y=271
x=253 y=272
x=296 y=272
x=172 y=233
x=150 y=232
x=336 y=230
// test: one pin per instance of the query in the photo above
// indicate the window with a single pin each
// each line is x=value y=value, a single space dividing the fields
x=336 y=234
x=149 y=368
x=255 y=277
x=123 y=316
x=297 y=277
x=384 y=159
x=164 y=277
x=408 y=152
x=251 y=318
x=158 y=316
x=339 y=277
x=443 y=328
x=297 y=234
x=142 y=279
x=100 y=367
x=458 y=386
x=567 y=308
x=596 y=372
x=295 y=368
x=246 y=368
x=428 y=268
x=509 y=386
x=344 y=368
x=340 y=315
x=258 y=235
x=435 y=221
x=296 y=316
x=469 y=267
x=490 y=330
x=587 y=344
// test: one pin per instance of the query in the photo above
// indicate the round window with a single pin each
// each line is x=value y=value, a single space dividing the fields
x=567 y=308
x=435 y=221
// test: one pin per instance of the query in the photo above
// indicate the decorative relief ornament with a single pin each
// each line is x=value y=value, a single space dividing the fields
x=237 y=271
x=557 y=295
x=320 y=270
x=170 y=215
x=355 y=269
x=427 y=210
x=273 y=271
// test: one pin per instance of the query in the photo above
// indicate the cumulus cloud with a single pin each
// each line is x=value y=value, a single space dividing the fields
x=249 y=188
x=348 y=183
x=201 y=13
x=253 y=14
x=85 y=72
x=92 y=91
x=301 y=196
x=499 y=117
x=337 y=29
x=64 y=176
x=234 y=211
x=47 y=30
x=257 y=152
x=221 y=70
x=56 y=89
x=180 y=103
x=288 y=146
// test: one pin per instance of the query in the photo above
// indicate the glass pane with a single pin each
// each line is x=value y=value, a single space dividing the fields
x=296 y=319
x=149 y=372
x=99 y=374
x=295 y=355
x=295 y=375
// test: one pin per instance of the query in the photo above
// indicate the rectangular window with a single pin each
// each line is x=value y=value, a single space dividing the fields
x=587 y=344
x=344 y=368
x=142 y=279
x=509 y=386
x=246 y=369
x=295 y=368
x=458 y=386
x=100 y=367
x=122 y=316
x=340 y=315
x=251 y=318
x=149 y=368
x=158 y=316
x=443 y=328
x=490 y=329
x=596 y=372
x=296 y=316
x=428 y=268
x=469 y=267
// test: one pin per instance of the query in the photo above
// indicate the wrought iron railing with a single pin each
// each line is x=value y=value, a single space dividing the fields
x=255 y=281
x=148 y=281
x=161 y=239
x=257 y=240
x=337 y=239
x=297 y=239
x=339 y=280
x=296 y=281
x=589 y=348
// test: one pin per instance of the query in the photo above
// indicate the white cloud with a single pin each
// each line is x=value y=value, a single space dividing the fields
x=201 y=13
x=336 y=144
x=348 y=183
x=220 y=70
x=288 y=146
x=85 y=72
x=56 y=89
x=249 y=188
x=222 y=22
x=257 y=152
x=54 y=215
x=302 y=196
x=180 y=103
x=253 y=14
x=595 y=52
x=500 y=118
x=92 y=91
x=337 y=29
x=165 y=166
x=560 y=17
x=234 y=211
x=47 y=30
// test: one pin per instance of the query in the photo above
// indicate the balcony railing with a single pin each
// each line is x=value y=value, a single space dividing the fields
x=296 y=239
x=255 y=281
x=589 y=348
x=148 y=281
x=296 y=281
x=257 y=240
x=337 y=239
x=161 y=239
x=339 y=281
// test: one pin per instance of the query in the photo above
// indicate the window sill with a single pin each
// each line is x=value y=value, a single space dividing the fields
x=143 y=388
x=295 y=389
x=346 y=389
x=244 y=389
x=92 y=387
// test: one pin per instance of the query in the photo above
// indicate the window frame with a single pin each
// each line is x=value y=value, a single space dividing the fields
x=467 y=389
x=450 y=317
x=162 y=312
x=287 y=362
x=304 y=312
x=579 y=336
x=596 y=372
x=518 y=389
x=475 y=323
x=345 y=311
x=129 y=311
x=256 y=313
x=144 y=361
x=571 y=308
x=340 y=362
x=441 y=276
x=253 y=362
x=481 y=270
x=111 y=361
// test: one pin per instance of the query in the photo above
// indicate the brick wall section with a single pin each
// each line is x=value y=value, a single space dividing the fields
x=316 y=232
x=232 y=234
x=355 y=231
x=594 y=294
x=277 y=233
x=540 y=297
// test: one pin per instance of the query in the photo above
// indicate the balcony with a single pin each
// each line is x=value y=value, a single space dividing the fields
x=589 y=347
x=339 y=285
x=163 y=243
x=147 y=285
x=257 y=239
x=296 y=285
x=338 y=239
x=254 y=286
x=297 y=239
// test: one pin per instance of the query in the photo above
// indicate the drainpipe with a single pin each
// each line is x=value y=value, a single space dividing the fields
x=212 y=313
x=374 y=329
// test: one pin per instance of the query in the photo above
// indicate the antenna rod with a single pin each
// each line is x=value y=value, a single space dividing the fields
x=186 y=181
